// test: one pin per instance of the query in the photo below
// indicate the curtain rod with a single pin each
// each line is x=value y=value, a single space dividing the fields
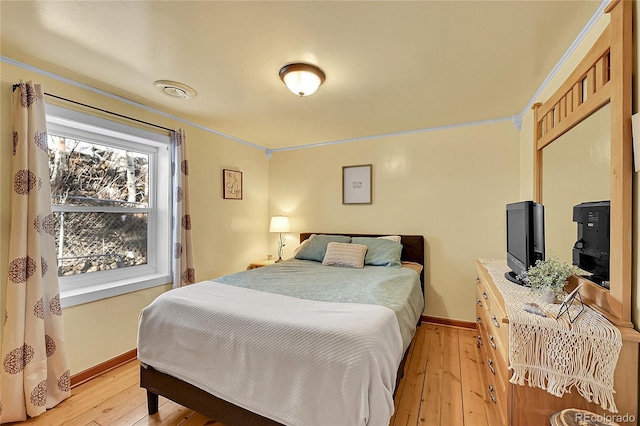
x=110 y=112
x=15 y=86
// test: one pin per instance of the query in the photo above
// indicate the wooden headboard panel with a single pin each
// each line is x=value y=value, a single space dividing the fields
x=412 y=247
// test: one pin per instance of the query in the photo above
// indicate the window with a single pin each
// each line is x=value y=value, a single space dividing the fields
x=110 y=186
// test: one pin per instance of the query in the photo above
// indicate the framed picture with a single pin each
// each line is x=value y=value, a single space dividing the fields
x=231 y=184
x=356 y=184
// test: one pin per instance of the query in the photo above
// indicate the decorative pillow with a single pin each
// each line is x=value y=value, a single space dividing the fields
x=381 y=252
x=345 y=254
x=316 y=247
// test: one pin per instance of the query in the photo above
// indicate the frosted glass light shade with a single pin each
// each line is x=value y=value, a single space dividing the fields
x=302 y=79
x=279 y=224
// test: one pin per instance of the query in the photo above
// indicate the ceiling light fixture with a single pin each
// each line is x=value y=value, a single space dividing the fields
x=302 y=79
x=175 y=89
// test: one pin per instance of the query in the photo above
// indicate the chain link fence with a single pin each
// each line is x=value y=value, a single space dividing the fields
x=98 y=241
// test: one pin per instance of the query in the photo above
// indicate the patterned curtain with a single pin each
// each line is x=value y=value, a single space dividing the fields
x=183 y=270
x=34 y=373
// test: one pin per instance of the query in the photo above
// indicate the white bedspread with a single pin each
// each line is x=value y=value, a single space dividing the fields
x=296 y=361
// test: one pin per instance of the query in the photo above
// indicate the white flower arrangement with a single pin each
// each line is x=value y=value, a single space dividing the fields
x=549 y=275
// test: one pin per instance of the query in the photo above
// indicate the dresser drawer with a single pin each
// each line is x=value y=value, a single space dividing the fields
x=493 y=305
x=486 y=284
x=495 y=390
x=483 y=297
x=498 y=334
x=495 y=361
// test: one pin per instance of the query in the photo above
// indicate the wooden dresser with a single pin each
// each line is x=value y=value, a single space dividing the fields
x=511 y=404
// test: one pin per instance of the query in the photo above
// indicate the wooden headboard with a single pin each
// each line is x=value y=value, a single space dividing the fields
x=412 y=247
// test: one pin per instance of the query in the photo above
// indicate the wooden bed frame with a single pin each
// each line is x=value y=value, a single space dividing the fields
x=190 y=396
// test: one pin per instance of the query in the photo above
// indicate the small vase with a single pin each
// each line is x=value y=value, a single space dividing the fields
x=548 y=296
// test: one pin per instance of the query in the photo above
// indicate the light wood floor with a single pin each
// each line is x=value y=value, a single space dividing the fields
x=443 y=386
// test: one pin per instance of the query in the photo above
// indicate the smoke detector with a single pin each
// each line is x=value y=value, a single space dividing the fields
x=174 y=89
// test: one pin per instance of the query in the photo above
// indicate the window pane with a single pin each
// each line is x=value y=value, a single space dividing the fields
x=96 y=241
x=90 y=174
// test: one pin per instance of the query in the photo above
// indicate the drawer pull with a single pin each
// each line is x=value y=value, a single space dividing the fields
x=491 y=341
x=490 y=365
x=495 y=322
x=479 y=340
x=478 y=280
x=491 y=395
x=479 y=320
x=479 y=302
x=484 y=295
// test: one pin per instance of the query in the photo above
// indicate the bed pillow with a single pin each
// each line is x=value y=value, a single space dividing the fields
x=413 y=265
x=345 y=254
x=395 y=238
x=297 y=249
x=316 y=248
x=381 y=251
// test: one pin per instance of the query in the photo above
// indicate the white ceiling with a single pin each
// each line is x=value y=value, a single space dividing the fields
x=391 y=66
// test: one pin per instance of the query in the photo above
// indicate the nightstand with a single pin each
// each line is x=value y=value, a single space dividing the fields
x=261 y=263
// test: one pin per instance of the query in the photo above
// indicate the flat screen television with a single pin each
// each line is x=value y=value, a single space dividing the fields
x=525 y=237
x=591 y=250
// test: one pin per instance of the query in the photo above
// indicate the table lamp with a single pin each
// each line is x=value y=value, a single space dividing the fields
x=279 y=224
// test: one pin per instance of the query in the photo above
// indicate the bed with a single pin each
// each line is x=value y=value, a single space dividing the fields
x=278 y=347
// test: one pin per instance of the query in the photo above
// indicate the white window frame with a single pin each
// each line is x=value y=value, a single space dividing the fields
x=84 y=288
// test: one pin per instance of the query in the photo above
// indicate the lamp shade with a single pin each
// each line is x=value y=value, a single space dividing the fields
x=302 y=79
x=279 y=224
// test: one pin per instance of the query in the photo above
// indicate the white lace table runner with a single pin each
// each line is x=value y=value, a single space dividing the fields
x=555 y=355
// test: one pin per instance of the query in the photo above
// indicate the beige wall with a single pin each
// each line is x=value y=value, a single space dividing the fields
x=449 y=185
x=227 y=234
